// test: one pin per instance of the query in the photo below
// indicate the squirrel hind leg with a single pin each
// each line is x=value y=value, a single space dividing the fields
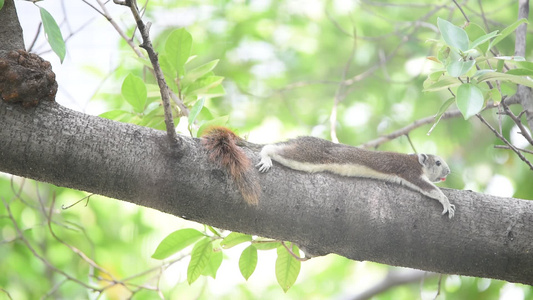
x=266 y=157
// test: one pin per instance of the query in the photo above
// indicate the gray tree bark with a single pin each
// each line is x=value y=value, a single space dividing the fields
x=361 y=219
x=10 y=30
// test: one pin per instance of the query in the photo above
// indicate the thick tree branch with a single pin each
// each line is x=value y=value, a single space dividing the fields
x=361 y=219
x=10 y=30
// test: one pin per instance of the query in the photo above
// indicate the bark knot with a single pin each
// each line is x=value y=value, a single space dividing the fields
x=26 y=78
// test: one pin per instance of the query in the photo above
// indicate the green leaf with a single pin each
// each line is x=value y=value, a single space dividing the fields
x=176 y=241
x=195 y=110
x=525 y=64
x=444 y=53
x=495 y=95
x=1 y=4
x=459 y=68
x=199 y=72
x=520 y=72
x=469 y=100
x=444 y=83
x=482 y=39
x=287 y=267
x=200 y=255
x=203 y=85
x=499 y=65
x=453 y=35
x=506 y=77
x=508 y=30
x=474 y=32
x=214 y=263
x=234 y=239
x=436 y=75
x=508 y=88
x=248 y=261
x=481 y=72
x=216 y=91
x=178 y=49
x=134 y=91
x=213 y=230
x=442 y=110
x=53 y=34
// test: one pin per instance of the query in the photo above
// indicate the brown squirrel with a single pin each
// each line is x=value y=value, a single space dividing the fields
x=310 y=154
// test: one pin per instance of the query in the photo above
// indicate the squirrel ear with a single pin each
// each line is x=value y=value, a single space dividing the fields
x=422 y=158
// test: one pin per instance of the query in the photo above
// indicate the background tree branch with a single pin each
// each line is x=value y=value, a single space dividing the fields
x=361 y=219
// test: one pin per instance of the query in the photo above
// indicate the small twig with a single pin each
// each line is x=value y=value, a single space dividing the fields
x=502 y=138
x=163 y=87
x=294 y=254
x=6 y=293
x=518 y=123
x=411 y=142
x=71 y=205
x=461 y=9
x=507 y=147
x=438 y=287
x=72 y=248
x=403 y=131
x=37 y=255
x=119 y=30
x=37 y=34
x=418 y=123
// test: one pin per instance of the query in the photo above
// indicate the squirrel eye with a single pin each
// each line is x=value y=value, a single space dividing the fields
x=437 y=162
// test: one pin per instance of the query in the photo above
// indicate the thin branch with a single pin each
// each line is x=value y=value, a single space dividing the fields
x=163 y=87
x=418 y=123
x=501 y=137
x=405 y=130
x=71 y=205
x=119 y=30
x=6 y=293
x=293 y=254
x=72 y=248
x=461 y=9
x=393 y=279
x=518 y=123
x=37 y=34
x=507 y=147
x=34 y=252
x=438 y=287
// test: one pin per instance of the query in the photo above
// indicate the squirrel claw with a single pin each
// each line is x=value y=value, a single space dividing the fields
x=264 y=165
x=450 y=210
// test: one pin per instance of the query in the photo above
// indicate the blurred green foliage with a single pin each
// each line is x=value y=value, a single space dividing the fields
x=283 y=63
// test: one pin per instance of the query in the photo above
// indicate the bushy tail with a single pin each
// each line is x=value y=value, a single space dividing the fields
x=221 y=143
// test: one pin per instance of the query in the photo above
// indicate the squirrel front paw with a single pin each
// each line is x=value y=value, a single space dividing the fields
x=264 y=165
x=450 y=209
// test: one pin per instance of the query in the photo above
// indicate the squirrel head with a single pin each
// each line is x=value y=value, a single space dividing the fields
x=434 y=167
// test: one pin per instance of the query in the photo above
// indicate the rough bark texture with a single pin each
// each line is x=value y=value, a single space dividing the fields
x=361 y=219
x=10 y=30
x=26 y=78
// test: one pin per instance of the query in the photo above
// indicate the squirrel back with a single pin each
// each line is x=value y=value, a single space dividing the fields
x=221 y=144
